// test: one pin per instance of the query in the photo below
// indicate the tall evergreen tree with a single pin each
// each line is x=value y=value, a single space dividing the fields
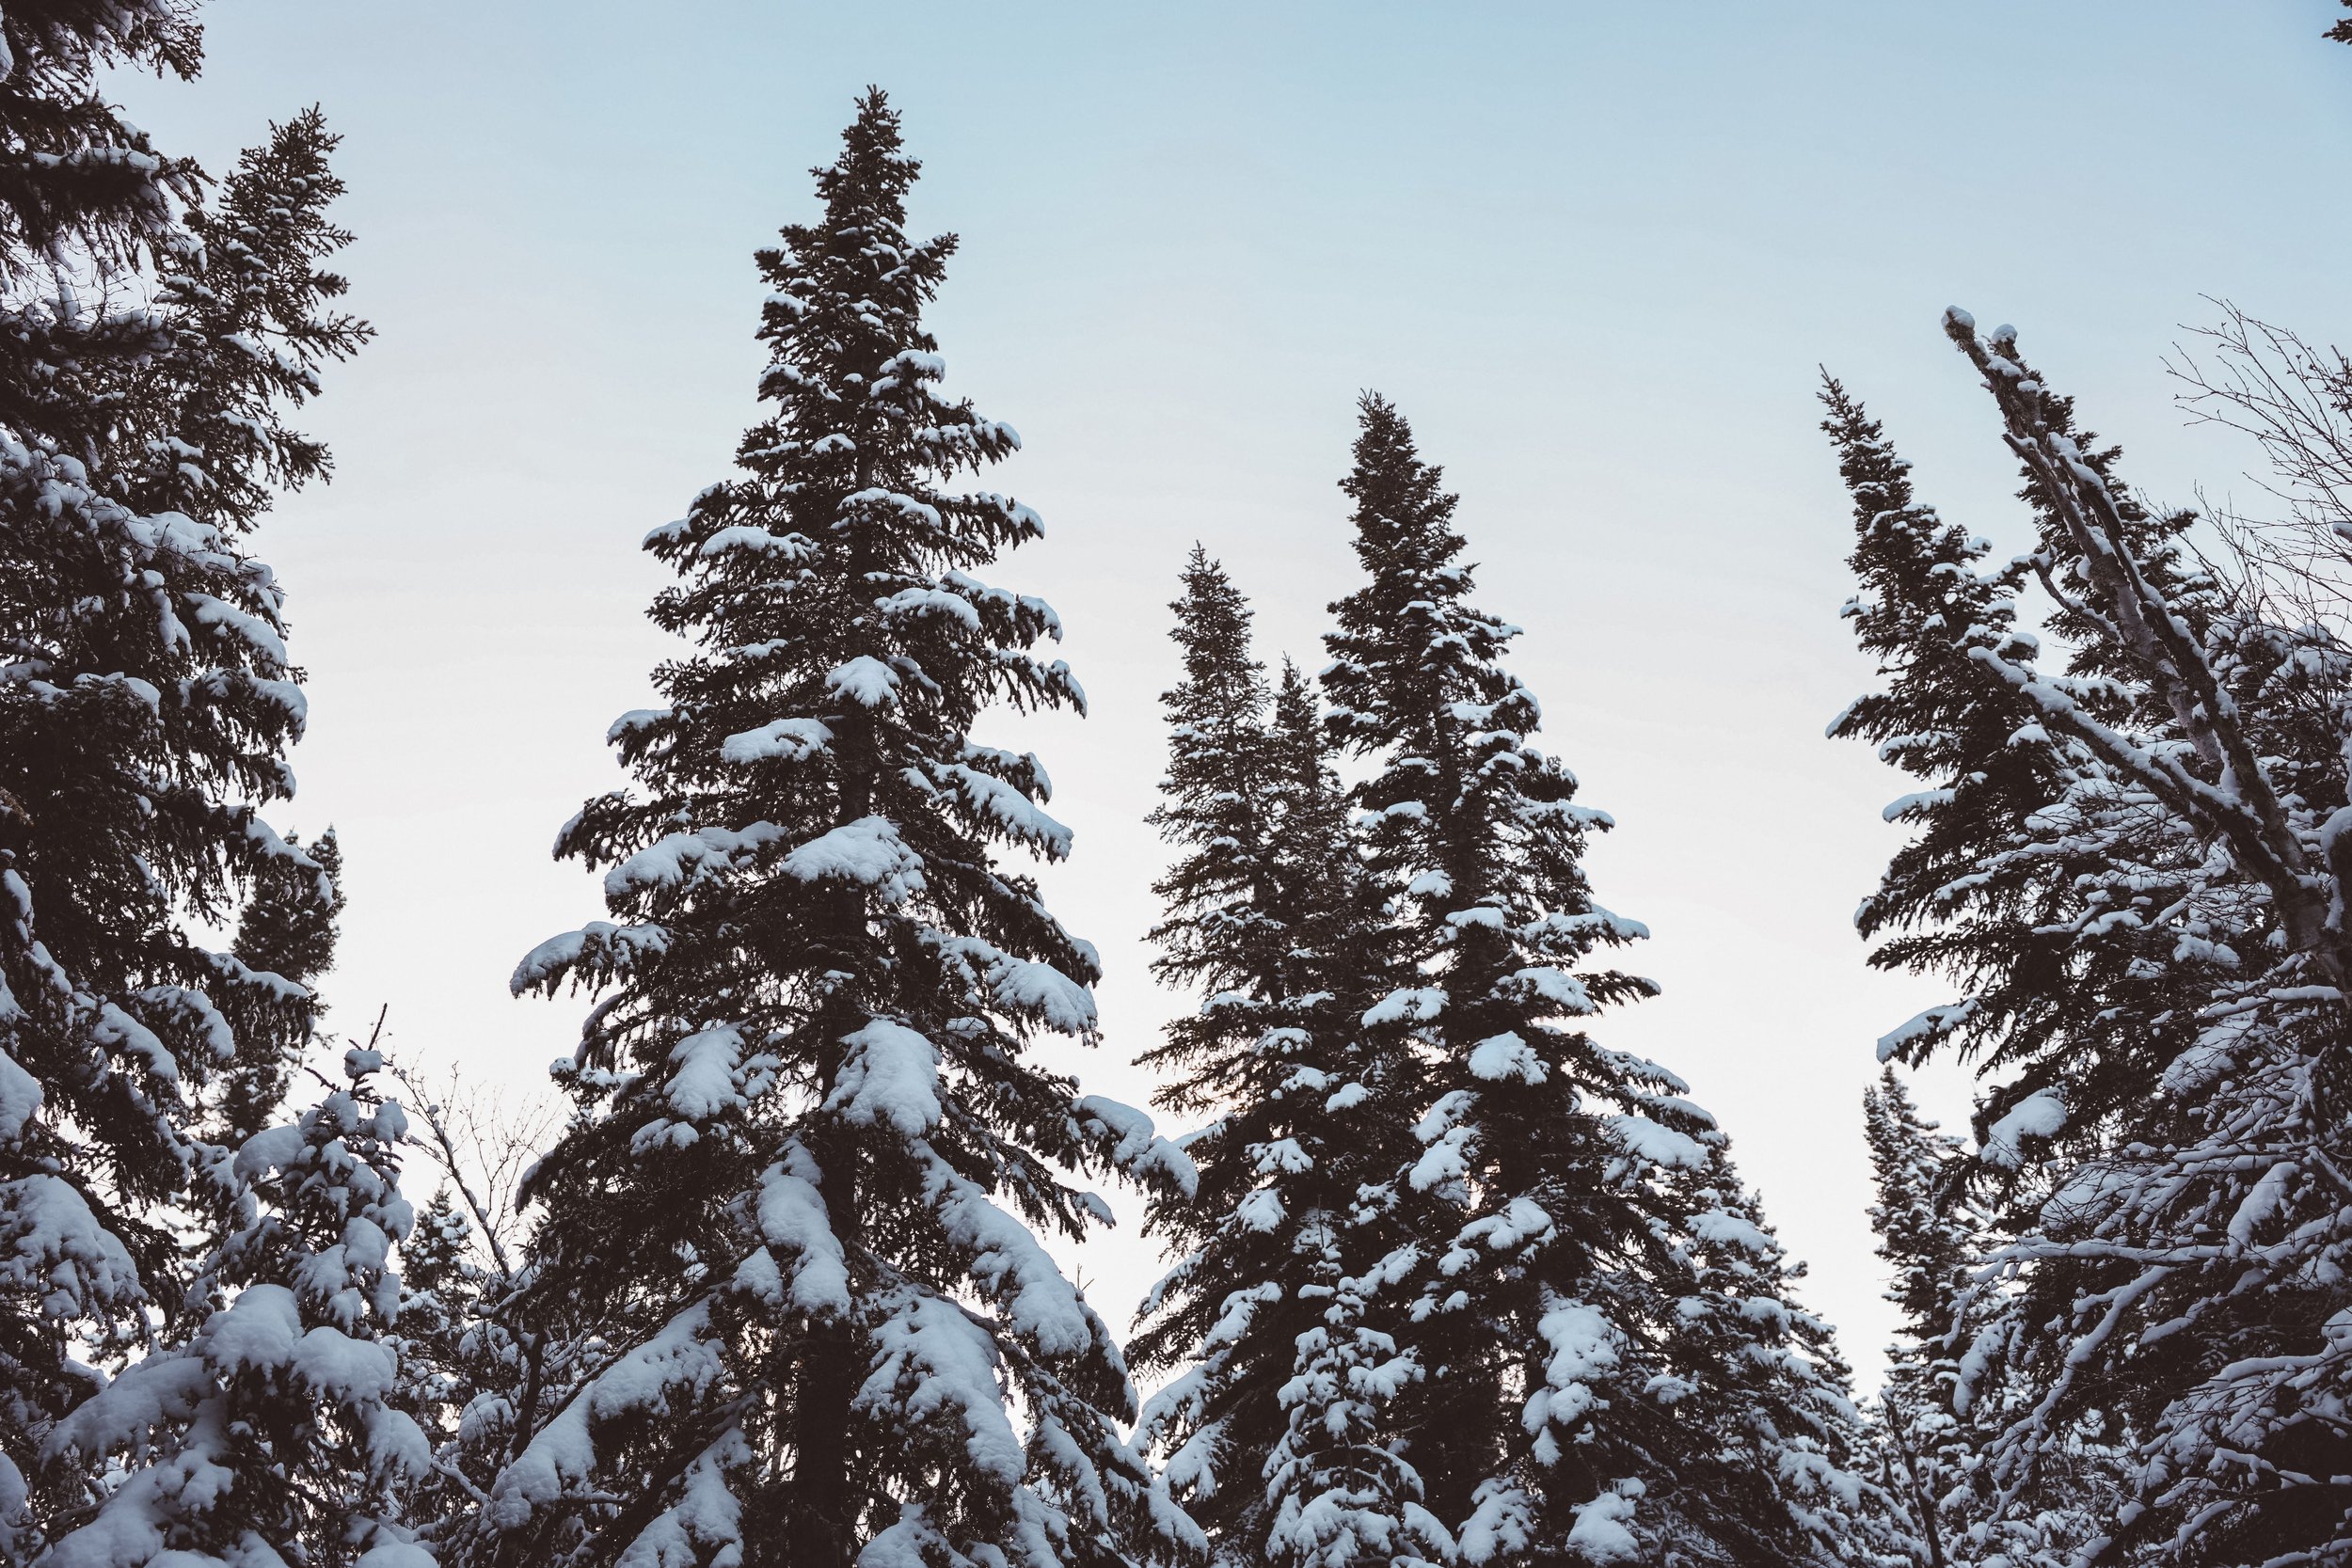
x=1994 y=888
x=1275 y=1429
x=439 y=1285
x=2149 y=923
x=1341 y=1484
x=147 y=703
x=811 y=1142
x=1569 y=1407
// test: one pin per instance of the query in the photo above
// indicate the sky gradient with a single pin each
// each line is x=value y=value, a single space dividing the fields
x=1595 y=251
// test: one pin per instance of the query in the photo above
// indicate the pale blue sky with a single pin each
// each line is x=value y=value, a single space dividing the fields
x=1594 y=250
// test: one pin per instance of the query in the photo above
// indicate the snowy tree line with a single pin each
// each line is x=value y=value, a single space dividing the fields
x=1449 y=1278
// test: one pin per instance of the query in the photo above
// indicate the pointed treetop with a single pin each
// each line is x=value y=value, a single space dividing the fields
x=874 y=170
x=1297 y=716
x=1213 y=626
x=1404 y=519
x=1923 y=1227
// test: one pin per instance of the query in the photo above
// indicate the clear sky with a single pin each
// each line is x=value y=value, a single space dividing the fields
x=1594 y=250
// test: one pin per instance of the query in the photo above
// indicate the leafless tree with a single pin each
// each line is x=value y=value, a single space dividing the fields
x=2295 y=399
x=484 y=1140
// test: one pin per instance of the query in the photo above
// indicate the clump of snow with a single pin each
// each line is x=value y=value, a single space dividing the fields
x=397 y=1553
x=891 y=1075
x=1260 y=1211
x=1022 y=986
x=20 y=1099
x=1721 y=1227
x=1584 y=1349
x=1499 y=1058
x=265 y=1151
x=682 y=1355
x=867 y=852
x=256 y=1332
x=1139 y=1149
x=1556 y=986
x=747 y=537
x=2213 y=1054
x=1046 y=994
x=993 y=800
x=2261 y=1201
x=339 y=1367
x=1009 y=1266
x=1501 y=1524
x=1599 y=1535
x=702 y=1081
x=792 y=1215
x=866 y=681
x=932 y=1362
x=598 y=945
x=1412 y=1004
x=683 y=860
x=53 y=1247
x=1660 y=1145
x=1445 y=1160
x=792 y=739
x=1932 y=1025
x=930 y=601
x=2038 y=1115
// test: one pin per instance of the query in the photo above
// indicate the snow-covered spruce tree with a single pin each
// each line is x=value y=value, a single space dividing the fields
x=1931 y=1444
x=473 y=1372
x=2028 y=878
x=1339 y=1485
x=439 y=1287
x=811 y=1142
x=2009 y=883
x=2175 y=1281
x=148 y=703
x=268 y=1436
x=1931 y=1241
x=1273 y=1429
x=1566 y=1408
x=1984 y=889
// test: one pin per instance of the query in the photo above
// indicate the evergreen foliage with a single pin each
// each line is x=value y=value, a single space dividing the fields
x=1932 y=1241
x=439 y=1287
x=797 y=1202
x=80 y=187
x=148 y=701
x=2147 y=924
x=269 y=1435
x=1612 y=1366
x=1275 y=1430
x=86 y=200
x=287 y=928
